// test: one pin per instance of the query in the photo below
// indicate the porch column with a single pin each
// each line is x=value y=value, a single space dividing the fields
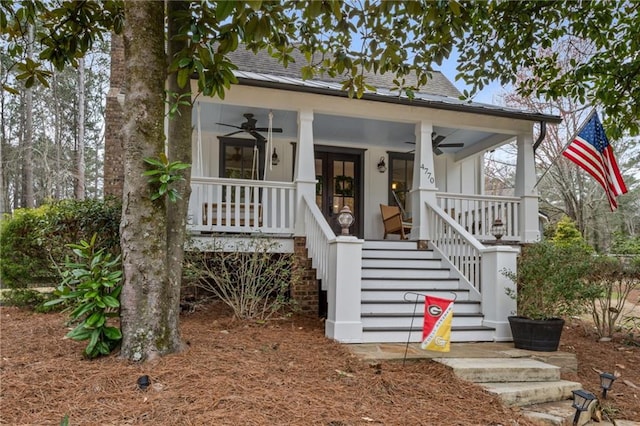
x=496 y=304
x=424 y=182
x=304 y=175
x=344 y=322
x=525 y=189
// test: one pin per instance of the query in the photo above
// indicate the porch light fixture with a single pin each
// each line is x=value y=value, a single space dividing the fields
x=581 y=401
x=275 y=160
x=345 y=219
x=497 y=229
x=382 y=166
x=606 y=381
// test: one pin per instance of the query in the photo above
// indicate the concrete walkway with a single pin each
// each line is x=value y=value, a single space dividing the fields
x=396 y=351
x=481 y=362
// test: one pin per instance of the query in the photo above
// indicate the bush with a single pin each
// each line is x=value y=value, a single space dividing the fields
x=614 y=280
x=33 y=241
x=91 y=286
x=550 y=280
x=249 y=277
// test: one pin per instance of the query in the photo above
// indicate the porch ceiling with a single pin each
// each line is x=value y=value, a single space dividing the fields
x=328 y=128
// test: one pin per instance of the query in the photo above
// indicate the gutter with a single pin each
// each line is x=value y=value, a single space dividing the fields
x=541 y=136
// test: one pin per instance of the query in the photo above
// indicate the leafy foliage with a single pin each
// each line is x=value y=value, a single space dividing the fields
x=250 y=278
x=504 y=37
x=163 y=174
x=613 y=279
x=625 y=245
x=92 y=286
x=25 y=298
x=550 y=280
x=32 y=241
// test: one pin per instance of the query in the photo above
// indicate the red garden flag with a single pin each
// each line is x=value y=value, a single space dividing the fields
x=591 y=150
x=436 y=333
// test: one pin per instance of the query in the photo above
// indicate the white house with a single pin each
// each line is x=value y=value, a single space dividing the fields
x=326 y=151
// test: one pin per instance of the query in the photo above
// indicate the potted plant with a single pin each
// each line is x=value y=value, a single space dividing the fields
x=550 y=286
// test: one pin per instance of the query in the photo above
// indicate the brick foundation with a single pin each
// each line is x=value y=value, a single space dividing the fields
x=304 y=289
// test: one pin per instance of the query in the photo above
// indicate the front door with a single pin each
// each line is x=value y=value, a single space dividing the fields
x=338 y=172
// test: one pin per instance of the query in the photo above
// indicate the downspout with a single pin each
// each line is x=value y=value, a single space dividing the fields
x=541 y=136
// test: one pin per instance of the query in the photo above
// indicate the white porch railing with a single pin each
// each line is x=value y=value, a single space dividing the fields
x=319 y=237
x=456 y=244
x=238 y=205
x=476 y=213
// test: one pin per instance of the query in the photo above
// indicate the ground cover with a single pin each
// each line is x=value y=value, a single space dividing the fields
x=283 y=372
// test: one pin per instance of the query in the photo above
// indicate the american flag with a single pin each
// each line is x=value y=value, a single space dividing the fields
x=591 y=150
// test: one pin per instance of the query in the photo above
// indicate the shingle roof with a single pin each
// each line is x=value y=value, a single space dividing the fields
x=263 y=63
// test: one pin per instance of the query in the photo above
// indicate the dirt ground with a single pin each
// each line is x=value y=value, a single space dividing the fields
x=280 y=373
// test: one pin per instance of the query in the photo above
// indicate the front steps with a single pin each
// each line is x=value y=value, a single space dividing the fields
x=390 y=270
x=533 y=385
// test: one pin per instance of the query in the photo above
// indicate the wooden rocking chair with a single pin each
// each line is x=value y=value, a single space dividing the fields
x=393 y=223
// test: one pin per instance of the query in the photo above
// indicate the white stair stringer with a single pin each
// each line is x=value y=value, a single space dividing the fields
x=390 y=269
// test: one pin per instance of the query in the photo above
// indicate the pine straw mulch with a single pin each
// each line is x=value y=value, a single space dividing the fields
x=238 y=373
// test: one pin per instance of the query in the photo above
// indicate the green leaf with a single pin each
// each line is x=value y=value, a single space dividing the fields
x=110 y=301
x=224 y=9
x=112 y=333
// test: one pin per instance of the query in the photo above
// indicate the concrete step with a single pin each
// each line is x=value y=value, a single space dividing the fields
x=527 y=393
x=487 y=370
x=558 y=413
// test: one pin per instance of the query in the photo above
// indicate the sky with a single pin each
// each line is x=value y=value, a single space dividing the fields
x=488 y=95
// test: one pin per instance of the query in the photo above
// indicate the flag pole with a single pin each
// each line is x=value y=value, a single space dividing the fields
x=584 y=123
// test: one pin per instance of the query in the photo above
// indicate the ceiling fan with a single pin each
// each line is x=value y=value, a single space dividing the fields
x=249 y=126
x=436 y=143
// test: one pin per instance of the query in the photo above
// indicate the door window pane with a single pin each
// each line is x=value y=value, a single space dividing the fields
x=401 y=180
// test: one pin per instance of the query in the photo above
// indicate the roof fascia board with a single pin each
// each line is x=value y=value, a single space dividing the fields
x=403 y=101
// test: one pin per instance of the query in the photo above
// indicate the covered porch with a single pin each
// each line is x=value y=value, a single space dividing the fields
x=334 y=151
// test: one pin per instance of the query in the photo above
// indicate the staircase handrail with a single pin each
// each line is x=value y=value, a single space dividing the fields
x=454 y=243
x=319 y=236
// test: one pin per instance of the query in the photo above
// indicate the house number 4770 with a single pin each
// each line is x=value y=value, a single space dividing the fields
x=427 y=172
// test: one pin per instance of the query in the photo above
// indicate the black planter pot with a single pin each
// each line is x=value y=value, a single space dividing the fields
x=536 y=335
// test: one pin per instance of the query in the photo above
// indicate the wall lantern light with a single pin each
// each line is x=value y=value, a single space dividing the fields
x=606 y=381
x=275 y=160
x=345 y=219
x=382 y=166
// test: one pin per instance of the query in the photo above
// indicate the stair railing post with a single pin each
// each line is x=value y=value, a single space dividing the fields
x=344 y=292
x=496 y=303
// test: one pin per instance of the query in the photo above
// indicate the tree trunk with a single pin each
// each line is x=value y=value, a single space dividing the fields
x=28 y=198
x=4 y=200
x=79 y=181
x=57 y=192
x=149 y=310
x=179 y=150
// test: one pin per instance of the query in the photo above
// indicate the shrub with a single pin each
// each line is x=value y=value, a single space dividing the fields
x=33 y=241
x=249 y=277
x=550 y=280
x=92 y=287
x=614 y=280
